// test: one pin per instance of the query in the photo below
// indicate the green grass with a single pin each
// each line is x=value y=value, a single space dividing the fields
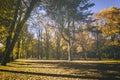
x=60 y=70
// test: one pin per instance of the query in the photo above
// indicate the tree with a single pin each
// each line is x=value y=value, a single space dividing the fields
x=68 y=11
x=17 y=27
x=108 y=20
x=83 y=40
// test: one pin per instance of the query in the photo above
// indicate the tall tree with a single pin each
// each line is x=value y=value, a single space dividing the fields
x=68 y=11
x=17 y=27
x=108 y=20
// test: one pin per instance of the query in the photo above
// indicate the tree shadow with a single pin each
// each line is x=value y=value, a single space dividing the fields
x=106 y=70
x=109 y=71
x=53 y=75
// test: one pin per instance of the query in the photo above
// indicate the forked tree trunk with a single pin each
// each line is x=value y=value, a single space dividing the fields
x=17 y=32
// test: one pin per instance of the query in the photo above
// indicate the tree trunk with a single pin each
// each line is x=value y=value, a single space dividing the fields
x=57 y=47
x=47 y=43
x=18 y=48
x=41 y=47
x=69 y=51
x=38 y=53
x=69 y=42
x=17 y=32
x=9 y=37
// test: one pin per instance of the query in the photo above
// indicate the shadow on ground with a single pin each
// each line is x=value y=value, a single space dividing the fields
x=101 y=71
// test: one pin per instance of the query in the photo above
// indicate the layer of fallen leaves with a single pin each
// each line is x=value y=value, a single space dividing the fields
x=60 y=70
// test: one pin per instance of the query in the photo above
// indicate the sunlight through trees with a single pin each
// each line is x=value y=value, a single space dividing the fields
x=57 y=29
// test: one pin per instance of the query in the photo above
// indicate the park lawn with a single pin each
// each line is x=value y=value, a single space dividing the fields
x=60 y=70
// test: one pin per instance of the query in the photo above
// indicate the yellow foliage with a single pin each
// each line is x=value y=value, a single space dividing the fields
x=64 y=47
x=109 y=21
x=79 y=49
x=115 y=43
x=2 y=49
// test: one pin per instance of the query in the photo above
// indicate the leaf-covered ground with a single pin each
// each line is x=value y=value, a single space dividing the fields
x=60 y=70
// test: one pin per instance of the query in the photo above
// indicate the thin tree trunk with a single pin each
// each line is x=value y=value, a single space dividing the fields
x=18 y=48
x=38 y=53
x=57 y=47
x=69 y=51
x=69 y=41
x=41 y=47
